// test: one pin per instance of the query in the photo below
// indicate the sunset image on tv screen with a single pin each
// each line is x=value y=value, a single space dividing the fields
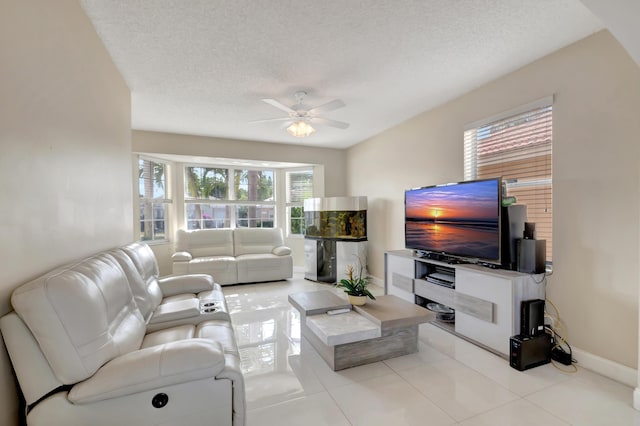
x=459 y=219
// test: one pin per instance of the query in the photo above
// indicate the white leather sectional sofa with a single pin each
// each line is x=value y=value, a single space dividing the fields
x=232 y=256
x=103 y=341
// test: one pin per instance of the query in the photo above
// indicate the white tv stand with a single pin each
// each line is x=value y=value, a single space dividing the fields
x=486 y=301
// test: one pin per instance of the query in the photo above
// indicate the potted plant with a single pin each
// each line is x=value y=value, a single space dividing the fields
x=355 y=286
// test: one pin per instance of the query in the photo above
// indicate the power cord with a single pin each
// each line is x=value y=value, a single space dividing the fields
x=542 y=280
x=558 y=353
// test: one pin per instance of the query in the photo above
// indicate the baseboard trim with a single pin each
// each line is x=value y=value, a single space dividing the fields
x=613 y=370
x=605 y=367
x=636 y=399
x=376 y=281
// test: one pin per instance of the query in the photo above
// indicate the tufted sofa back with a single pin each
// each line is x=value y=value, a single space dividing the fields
x=82 y=316
x=141 y=268
x=257 y=240
x=205 y=242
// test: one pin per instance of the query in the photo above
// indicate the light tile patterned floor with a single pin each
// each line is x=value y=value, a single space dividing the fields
x=449 y=381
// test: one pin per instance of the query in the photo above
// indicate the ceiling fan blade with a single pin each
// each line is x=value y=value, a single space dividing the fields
x=329 y=106
x=332 y=123
x=279 y=105
x=270 y=120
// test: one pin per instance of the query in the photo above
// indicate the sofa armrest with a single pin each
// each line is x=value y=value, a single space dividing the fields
x=151 y=368
x=188 y=283
x=181 y=256
x=281 y=251
x=172 y=311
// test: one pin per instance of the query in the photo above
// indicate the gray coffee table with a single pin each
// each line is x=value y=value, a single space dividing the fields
x=383 y=328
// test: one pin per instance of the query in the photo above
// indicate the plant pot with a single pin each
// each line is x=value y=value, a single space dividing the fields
x=357 y=300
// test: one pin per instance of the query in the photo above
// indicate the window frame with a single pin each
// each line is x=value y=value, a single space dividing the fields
x=166 y=201
x=288 y=205
x=231 y=202
x=539 y=185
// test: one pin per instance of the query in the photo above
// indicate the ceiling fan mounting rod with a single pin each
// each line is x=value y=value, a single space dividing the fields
x=300 y=95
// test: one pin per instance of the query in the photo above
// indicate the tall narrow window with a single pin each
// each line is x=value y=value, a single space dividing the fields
x=255 y=189
x=518 y=147
x=154 y=199
x=299 y=187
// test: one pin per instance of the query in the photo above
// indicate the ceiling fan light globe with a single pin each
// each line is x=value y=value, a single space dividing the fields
x=300 y=129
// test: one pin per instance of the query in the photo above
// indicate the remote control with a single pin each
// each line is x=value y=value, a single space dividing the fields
x=338 y=311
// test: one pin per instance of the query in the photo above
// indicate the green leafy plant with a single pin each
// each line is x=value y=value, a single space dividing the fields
x=355 y=285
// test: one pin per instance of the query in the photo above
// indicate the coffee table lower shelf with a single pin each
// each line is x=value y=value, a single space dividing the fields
x=403 y=341
x=384 y=328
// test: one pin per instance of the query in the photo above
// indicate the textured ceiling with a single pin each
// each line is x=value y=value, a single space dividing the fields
x=202 y=66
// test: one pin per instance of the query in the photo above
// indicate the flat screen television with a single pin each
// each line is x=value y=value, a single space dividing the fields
x=459 y=220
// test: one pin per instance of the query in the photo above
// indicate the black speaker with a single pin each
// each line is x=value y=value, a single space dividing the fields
x=528 y=352
x=529 y=231
x=511 y=229
x=532 y=317
x=532 y=256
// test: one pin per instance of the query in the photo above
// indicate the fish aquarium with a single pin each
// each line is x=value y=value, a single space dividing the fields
x=337 y=218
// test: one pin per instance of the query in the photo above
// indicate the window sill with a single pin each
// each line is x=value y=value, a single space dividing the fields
x=155 y=242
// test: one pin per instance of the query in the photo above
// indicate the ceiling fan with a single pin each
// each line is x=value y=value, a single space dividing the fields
x=302 y=116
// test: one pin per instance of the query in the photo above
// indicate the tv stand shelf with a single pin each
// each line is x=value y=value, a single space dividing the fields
x=486 y=300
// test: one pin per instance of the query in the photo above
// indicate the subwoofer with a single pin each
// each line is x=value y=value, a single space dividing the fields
x=532 y=256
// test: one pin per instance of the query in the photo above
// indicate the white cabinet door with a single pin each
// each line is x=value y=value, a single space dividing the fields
x=311 y=259
x=400 y=274
x=351 y=253
x=490 y=291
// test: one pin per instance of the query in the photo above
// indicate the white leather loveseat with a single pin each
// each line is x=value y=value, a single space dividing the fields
x=232 y=256
x=80 y=345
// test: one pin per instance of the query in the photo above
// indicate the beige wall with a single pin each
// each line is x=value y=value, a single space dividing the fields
x=65 y=149
x=333 y=160
x=65 y=112
x=596 y=193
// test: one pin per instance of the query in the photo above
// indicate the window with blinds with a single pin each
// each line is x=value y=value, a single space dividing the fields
x=517 y=146
x=299 y=187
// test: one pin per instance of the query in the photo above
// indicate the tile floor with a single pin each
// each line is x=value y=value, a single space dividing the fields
x=448 y=382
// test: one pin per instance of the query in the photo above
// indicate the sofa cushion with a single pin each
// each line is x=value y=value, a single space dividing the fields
x=223 y=269
x=167 y=335
x=257 y=240
x=82 y=315
x=152 y=368
x=145 y=289
x=205 y=242
x=220 y=331
x=264 y=267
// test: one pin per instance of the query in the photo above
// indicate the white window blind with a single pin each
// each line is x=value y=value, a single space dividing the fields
x=299 y=187
x=517 y=147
